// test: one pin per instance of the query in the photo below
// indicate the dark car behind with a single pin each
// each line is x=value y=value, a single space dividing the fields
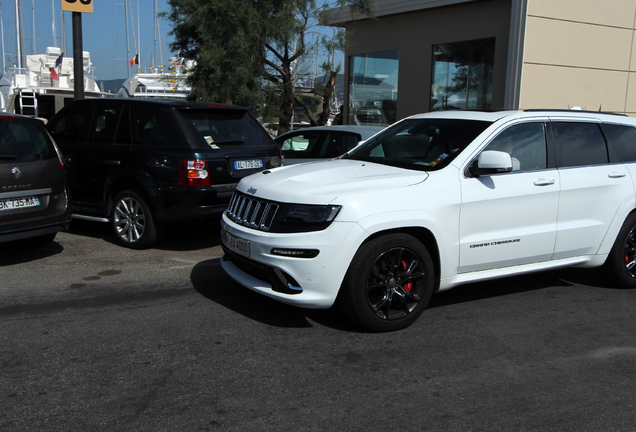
x=33 y=195
x=139 y=164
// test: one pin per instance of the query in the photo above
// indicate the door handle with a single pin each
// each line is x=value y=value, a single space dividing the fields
x=112 y=162
x=544 y=182
x=615 y=174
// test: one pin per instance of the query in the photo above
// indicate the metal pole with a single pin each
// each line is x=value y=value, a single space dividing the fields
x=127 y=43
x=4 y=65
x=33 y=24
x=78 y=56
x=53 y=21
x=18 y=25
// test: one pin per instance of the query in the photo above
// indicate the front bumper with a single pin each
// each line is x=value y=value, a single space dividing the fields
x=306 y=282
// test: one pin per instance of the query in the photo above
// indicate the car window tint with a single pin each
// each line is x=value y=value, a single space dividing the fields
x=104 y=127
x=623 y=139
x=338 y=143
x=225 y=127
x=124 y=134
x=302 y=145
x=23 y=142
x=526 y=145
x=147 y=127
x=580 y=143
x=72 y=127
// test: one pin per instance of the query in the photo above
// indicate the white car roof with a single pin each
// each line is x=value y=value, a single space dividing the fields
x=553 y=113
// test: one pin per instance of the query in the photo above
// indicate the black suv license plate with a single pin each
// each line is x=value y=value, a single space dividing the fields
x=248 y=164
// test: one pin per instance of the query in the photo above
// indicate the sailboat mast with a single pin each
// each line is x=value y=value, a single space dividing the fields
x=127 y=43
x=18 y=28
x=53 y=19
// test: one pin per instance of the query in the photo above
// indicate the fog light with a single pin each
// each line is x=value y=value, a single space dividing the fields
x=296 y=253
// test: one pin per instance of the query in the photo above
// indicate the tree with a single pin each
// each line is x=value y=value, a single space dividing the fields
x=242 y=46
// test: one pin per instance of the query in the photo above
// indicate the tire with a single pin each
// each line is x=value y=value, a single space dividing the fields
x=132 y=221
x=389 y=283
x=620 y=266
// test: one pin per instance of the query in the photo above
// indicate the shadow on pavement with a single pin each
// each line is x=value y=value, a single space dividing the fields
x=517 y=284
x=209 y=279
x=178 y=236
x=20 y=252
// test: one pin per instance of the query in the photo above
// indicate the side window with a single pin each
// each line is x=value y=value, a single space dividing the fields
x=300 y=145
x=123 y=129
x=623 y=139
x=337 y=144
x=72 y=127
x=579 y=144
x=526 y=145
x=104 y=127
x=147 y=127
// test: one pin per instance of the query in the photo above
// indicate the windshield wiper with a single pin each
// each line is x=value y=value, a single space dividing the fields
x=8 y=157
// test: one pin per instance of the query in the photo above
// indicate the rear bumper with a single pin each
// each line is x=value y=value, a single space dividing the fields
x=34 y=230
x=182 y=203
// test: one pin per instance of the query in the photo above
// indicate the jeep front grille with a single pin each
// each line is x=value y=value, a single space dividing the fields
x=251 y=212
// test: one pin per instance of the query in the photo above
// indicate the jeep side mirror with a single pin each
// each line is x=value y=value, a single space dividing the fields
x=491 y=162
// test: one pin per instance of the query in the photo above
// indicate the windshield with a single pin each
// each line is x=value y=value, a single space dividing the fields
x=424 y=144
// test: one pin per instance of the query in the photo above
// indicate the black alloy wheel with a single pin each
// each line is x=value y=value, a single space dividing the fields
x=389 y=283
x=620 y=266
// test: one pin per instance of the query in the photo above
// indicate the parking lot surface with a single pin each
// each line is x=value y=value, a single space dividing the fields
x=98 y=337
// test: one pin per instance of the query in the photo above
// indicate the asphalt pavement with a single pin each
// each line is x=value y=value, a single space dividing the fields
x=95 y=337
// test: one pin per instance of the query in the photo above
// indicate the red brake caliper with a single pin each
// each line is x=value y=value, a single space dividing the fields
x=408 y=285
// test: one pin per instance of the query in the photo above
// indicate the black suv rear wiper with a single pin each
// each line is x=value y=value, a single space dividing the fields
x=7 y=157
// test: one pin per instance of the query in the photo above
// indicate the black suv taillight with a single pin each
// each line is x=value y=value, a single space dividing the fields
x=194 y=172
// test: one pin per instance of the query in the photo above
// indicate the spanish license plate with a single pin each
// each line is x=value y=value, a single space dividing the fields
x=17 y=203
x=248 y=164
x=238 y=245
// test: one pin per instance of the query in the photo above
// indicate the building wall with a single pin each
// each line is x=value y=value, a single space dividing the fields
x=414 y=35
x=580 y=53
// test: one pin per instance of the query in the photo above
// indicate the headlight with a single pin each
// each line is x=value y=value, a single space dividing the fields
x=299 y=214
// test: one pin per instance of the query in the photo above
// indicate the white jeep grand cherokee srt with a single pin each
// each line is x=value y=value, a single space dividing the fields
x=434 y=201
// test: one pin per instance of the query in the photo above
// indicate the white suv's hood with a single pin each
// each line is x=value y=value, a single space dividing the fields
x=322 y=182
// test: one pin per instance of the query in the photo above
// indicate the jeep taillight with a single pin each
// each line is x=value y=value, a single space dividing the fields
x=194 y=172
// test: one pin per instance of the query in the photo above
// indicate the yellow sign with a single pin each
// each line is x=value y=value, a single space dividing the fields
x=85 y=6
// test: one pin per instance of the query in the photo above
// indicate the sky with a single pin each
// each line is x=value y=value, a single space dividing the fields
x=104 y=33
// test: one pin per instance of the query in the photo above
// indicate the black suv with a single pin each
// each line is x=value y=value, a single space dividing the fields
x=33 y=196
x=140 y=163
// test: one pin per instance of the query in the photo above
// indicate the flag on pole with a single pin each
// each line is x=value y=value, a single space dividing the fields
x=54 y=75
x=58 y=62
x=135 y=60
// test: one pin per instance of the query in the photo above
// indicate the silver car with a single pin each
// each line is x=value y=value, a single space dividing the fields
x=322 y=142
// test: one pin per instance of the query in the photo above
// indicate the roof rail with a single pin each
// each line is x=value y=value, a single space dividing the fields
x=573 y=110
